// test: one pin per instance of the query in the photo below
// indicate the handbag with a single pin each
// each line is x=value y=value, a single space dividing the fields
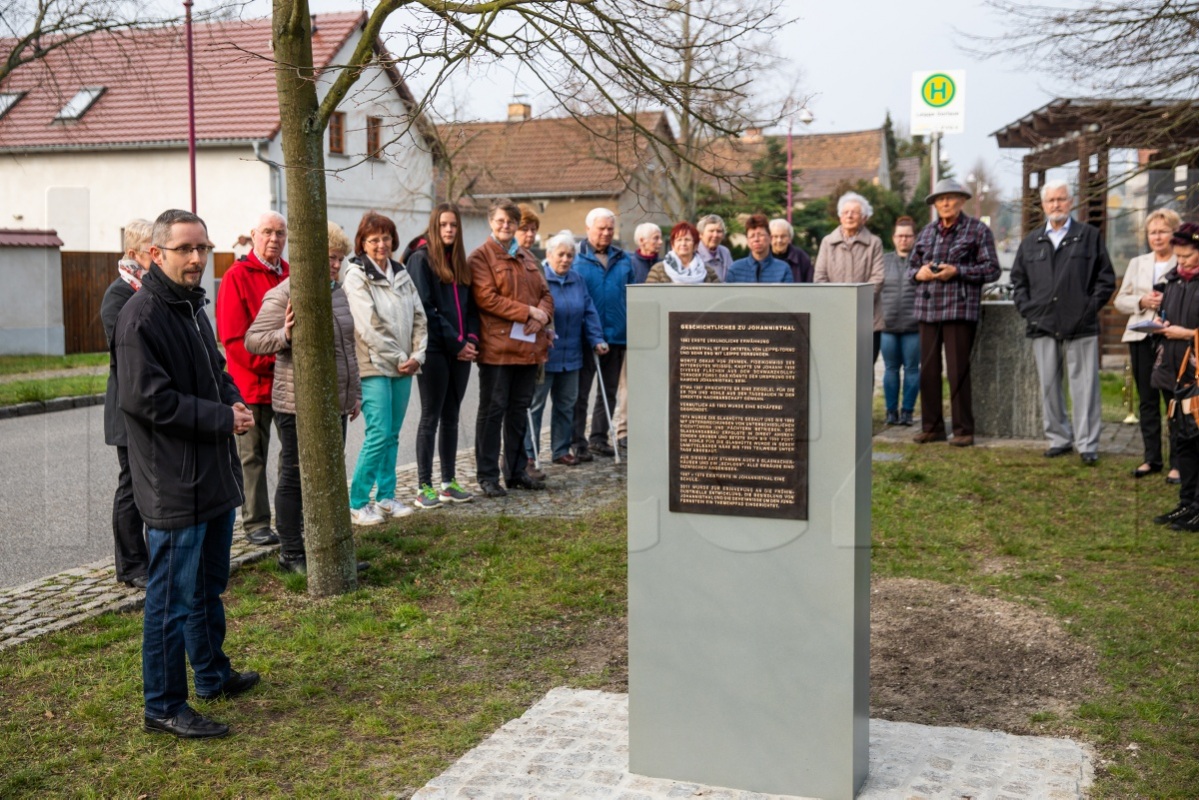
x=1184 y=408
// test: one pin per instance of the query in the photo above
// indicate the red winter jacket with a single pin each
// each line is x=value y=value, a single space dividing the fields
x=237 y=304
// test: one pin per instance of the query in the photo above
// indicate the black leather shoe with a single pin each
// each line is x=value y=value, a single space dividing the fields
x=1187 y=524
x=1147 y=469
x=262 y=537
x=1063 y=450
x=187 y=724
x=238 y=683
x=136 y=583
x=583 y=454
x=1174 y=480
x=1089 y=459
x=362 y=566
x=296 y=564
x=603 y=449
x=521 y=480
x=1182 y=512
x=493 y=489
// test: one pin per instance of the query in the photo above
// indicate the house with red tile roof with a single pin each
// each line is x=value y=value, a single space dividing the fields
x=96 y=134
x=562 y=166
x=821 y=160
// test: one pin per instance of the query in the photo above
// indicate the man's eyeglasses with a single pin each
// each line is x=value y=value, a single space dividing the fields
x=202 y=250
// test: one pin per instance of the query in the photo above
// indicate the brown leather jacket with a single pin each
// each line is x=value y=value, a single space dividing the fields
x=504 y=287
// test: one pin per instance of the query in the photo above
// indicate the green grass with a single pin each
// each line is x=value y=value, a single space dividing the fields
x=1078 y=543
x=16 y=392
x=463 y=623
x=15 y=365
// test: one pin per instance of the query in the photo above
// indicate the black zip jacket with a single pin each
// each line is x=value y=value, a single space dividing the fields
x=1061 y=292
x=176 y=398
x=449 y=307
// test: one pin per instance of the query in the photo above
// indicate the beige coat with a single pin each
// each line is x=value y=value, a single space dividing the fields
x=859 y=262
x=265 y=336
x=1138 y=282
x=389 y=318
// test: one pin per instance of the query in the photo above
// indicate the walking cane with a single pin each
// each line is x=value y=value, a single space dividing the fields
x=533 y=439
x=607 y=408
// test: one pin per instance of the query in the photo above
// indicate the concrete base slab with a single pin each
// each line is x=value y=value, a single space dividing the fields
x=574 y=744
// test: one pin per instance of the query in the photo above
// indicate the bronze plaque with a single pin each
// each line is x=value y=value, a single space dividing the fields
x=739 y=414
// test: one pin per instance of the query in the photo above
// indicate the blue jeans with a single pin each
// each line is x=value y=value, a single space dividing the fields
x=384 y=403
x=189 y=570
x=563 y=387
x=901 y=349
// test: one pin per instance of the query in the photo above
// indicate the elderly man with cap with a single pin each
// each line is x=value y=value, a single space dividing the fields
x=953 y=257
x=1061 y=280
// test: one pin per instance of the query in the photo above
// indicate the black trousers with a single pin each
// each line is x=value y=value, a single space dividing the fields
x=505 y=394
x=289 y=499
x=610 y=366
x=958 y=339
x=128 y=528
x=442 y=384
x=1186 y=460
x=1141 y=355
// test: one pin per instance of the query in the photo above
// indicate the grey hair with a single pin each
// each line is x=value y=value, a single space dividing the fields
x=169 y=219
x=644 y=230
x=710 y=219
x=783 y=224
x=1050 y=186
x=597 y=214
x=265 y=215
x=854 y=197
x=563 y=238
x=138 y=232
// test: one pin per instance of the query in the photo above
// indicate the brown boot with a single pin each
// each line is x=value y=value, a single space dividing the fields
x=962 y=441
x=924 y=437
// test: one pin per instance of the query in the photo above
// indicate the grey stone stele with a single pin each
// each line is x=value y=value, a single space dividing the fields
x=574 y=744
x=1005 y=386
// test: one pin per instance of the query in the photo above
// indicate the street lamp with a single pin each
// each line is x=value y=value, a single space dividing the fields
x=806 y=117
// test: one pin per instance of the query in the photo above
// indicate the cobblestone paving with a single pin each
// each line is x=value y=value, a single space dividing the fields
x=59 y=601
x=574 y=743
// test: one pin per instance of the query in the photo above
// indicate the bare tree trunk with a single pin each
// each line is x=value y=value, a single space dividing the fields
x=328 y=538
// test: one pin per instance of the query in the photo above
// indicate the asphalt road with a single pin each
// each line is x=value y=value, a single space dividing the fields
x=57 y=479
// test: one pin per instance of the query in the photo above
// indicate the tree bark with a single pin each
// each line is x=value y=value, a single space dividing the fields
x=328 y=538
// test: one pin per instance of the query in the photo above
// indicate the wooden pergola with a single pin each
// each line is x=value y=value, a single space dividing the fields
x=1065 y=131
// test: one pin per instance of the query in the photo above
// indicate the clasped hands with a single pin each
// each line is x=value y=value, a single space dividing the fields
x=944 y=272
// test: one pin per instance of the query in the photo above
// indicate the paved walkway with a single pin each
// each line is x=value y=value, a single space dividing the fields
x=575 y=743
x=61 y=600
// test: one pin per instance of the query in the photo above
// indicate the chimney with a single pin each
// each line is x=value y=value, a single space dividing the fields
x=519 y=111
x=752 y=136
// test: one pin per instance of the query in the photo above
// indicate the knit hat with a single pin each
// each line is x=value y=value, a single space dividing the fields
x=1187 y=234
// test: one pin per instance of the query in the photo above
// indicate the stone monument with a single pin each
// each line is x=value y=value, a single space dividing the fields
x=1003 y=374
x=749 y=536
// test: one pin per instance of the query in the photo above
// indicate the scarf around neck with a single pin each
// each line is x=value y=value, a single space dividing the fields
x=128 y=269
x=695 y=272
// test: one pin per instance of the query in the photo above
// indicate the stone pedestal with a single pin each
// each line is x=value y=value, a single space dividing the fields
x=1007 y=392
x=749 y=630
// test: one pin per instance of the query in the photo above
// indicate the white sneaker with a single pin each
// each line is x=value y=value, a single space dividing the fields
x=392 y=508
x=365 y=516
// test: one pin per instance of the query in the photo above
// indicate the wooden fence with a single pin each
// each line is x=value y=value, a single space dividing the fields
x=85 y=277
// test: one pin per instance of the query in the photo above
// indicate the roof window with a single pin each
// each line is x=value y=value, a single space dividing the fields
x=8 y=100
x=78 y=105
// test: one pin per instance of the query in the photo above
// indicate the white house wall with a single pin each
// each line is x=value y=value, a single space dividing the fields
x=399 y=185
x=88 y=197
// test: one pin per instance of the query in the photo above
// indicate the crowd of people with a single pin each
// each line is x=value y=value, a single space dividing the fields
x=192 y=421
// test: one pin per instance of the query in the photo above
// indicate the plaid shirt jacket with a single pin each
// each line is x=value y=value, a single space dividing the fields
x=968 y=245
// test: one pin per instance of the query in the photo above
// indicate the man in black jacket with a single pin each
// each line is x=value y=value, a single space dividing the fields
x=1061 y=279
x=181 y=411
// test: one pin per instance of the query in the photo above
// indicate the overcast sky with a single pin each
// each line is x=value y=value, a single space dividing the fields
x=856 y=60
